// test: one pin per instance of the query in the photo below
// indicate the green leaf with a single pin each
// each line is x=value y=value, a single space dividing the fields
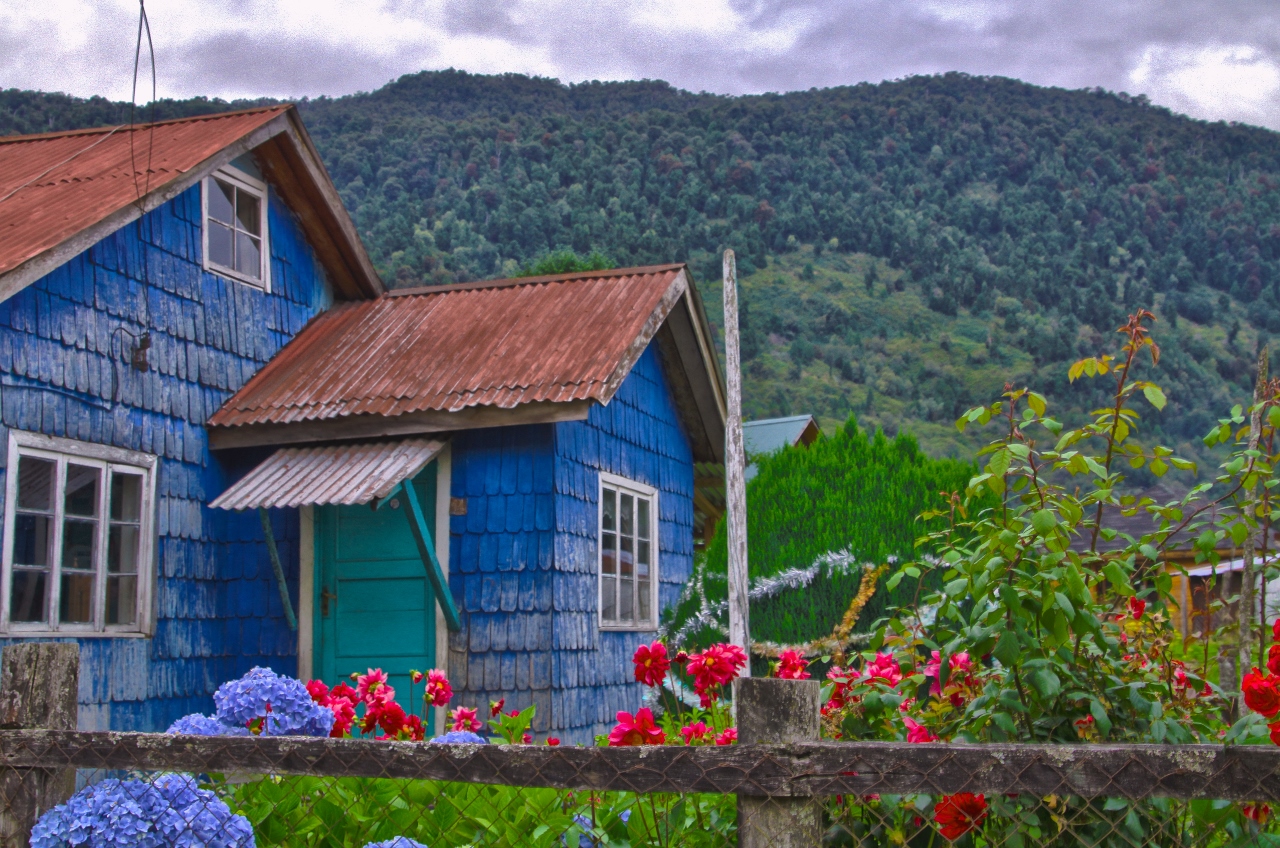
x=957 y=588
x=1046 y=682
x=1043 y=521
x=1065 y=605
x=1007 y=649
x=1100 y=718
x=1159 y=467
x=1154 y=396
x=1117 y=578
x=1036 y=402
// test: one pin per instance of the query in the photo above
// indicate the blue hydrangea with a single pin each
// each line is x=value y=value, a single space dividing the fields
x=201 y=725
x=459 y=737
x=398 y=842
x=292 y=712
x=172 y=812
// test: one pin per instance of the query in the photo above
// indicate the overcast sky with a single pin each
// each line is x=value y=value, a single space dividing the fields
x=1216 y=59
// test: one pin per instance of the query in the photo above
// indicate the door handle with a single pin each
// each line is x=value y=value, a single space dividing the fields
x=325 y=597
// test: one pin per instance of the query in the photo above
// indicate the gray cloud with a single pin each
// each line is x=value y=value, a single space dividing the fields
x=1216 y=60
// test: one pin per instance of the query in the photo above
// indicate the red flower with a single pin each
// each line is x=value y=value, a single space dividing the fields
x=464 y=718
x=416 y=676
x=695 y=732
x=1275 y=733
x=344 y=692
x=1258 y=812
x=495 y=707
x=527 y=739
x=1260 y=694
x=715 y=667
x=884 y=668
x=318 y=692
x=368 y=685
x=651 y=664
x=958 y=814
x=791 y=666
x=344 y=715
x=917 y=732
x=1275 y=630
x=636 y=730
x=438 y=690
x=552 y=741
x=417 y=732
x=1273 y=659
x=1137 y=607
x=682 y=657
x=728 y=737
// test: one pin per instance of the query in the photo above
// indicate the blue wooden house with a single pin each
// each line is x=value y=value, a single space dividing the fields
x=227 y=445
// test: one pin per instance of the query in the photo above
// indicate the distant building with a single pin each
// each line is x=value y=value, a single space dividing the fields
x=770 y=435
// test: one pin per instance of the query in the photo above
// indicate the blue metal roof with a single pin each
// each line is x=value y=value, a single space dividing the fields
x=772 y=434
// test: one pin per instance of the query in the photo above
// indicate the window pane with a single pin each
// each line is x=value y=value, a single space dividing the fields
x=122 y=600
x=77 y=598
x=31 y=539
x=221 y=246
x=82 y=490
x=248 y=210
x=628 y=503
x=626 y=599
x=78 y=543
x=126 y=497
x=30 y=595
x=642 y=601
x=248 y=256
x=626 y=567
x=642 y=518
x=610 y=509
x=221 y=201
x=609 y=554
x=608 y=599
x=35 y=483
x=122 y=549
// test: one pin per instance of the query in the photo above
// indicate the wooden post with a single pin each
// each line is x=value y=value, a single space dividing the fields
x=735 y=483
x=772 y=711
x=38 y=687
x=1247 y=605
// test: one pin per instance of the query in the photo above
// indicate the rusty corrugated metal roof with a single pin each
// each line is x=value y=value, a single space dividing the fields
x=500 y=344
x=55 y=185
x=329 y=474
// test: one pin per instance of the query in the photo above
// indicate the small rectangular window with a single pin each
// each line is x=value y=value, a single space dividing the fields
x=235 y=233
x=628 y=566
x=77 y=548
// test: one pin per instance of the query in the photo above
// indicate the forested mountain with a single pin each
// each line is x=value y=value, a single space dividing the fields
x=905 y=247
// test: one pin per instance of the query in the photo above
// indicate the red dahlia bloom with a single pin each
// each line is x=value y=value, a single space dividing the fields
x=1273 y=659
x=636 y=730
x=319 y=692
x=495 y=707
x=716 y=666
x=917 y=732
x=416 y=676
x=958 y=814
x=438 y=690
x=1275 y=630
x=791 y=666
x=1260 y=694
x=464 y=718
x=884 y=668
x=728 y=737
x=344 y=715
x=651 y=664
x=552 y=741
x=369 y=686
x=527 y=739
x=344 y=692
x=695 y=732
x=417 y=732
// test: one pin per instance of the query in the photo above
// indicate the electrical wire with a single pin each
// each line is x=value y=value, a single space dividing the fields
x=143 y=23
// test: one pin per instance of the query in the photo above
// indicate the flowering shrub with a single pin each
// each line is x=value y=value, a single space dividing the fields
x=459 y=737
x=260 y=703
x=710 y=671
x=172 y=811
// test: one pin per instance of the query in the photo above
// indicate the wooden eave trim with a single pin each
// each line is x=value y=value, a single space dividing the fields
x=23 y=275
x=650 y=329
x=373 y=426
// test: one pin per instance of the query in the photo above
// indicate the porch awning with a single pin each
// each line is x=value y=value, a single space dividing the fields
x=330 y=474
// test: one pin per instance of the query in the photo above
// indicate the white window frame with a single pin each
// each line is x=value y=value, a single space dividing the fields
x=257 y=188
x=641 y=490
x=105 y=457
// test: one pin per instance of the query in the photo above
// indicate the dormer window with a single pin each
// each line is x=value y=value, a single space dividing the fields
x=235 y=227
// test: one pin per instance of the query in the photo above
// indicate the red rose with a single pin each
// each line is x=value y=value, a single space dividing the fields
x=958 y=814
x=1273 y=659
x=1260 y=693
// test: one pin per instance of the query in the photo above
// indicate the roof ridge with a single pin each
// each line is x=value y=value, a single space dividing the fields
x=18 y=139
x=506 y=282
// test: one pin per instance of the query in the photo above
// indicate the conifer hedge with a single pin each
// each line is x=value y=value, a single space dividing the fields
x=853 y=491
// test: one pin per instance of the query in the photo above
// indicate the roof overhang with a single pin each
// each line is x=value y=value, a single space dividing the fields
x=290 y=163
x=345 y=474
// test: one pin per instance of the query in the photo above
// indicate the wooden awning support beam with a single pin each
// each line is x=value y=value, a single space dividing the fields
x=427 y=551
x=276 y=567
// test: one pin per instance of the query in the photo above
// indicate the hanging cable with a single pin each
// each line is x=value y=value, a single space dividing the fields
x=143 y=24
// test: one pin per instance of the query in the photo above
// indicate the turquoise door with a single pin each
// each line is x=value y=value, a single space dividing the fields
x=374 y=606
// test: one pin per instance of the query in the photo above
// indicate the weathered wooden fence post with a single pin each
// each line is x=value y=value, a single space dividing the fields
x=780 y=712
x=38 y=686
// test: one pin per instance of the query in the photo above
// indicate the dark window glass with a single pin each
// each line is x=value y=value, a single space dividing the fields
x=82 y=490
x=76 y=598
x=126 y=497
x=35 y=483
x=30 y=595
x=222 y=199
x=248 y=209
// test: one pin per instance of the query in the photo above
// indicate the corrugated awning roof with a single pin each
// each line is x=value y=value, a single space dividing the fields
x=329 y=474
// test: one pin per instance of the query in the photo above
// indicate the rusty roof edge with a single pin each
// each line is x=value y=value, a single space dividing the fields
x=27 y=272
x=574 y=276
x=213 y=116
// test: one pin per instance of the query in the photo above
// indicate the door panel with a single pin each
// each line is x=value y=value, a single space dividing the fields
x=375 y=607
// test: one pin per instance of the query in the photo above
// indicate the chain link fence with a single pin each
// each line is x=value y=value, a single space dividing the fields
x=162 y=790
